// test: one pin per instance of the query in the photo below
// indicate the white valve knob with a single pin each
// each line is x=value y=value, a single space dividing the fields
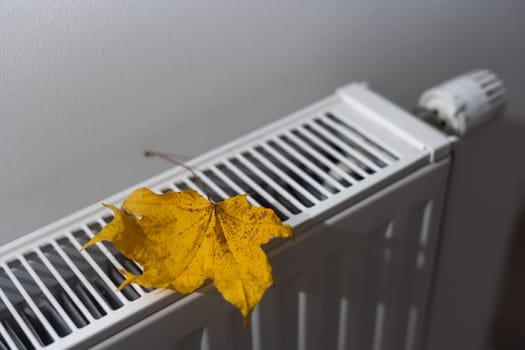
x=465 y=102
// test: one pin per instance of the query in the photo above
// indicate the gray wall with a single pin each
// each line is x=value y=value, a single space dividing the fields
x=484 y=198
x=86 y=86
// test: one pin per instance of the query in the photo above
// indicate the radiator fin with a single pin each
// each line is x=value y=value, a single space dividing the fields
x=53 y=289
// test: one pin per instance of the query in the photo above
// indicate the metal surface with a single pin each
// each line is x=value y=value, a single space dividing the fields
x=357 y=281
x=307 y=167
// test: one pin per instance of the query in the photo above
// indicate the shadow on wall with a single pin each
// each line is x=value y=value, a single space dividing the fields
x=508 y=331
x=482 y=206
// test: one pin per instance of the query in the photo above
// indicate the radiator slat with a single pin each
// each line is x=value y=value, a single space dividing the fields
x=7 y=338
x=333 y=152
x=226 y=185
x=110 y=286
x=350 y=153
x=266 y=320
x=329 y=154
x=270 y=186
x=209 y=190
x=111 y=258
x=117 y=258
x=34 y=308
x=187 y=185
x=256 y=188
x=411 y=333
x=18 y=318
x=311 y=307
x=241 y=336
x=183 y=185
x=279 y=172
x=192 y=341
x=389 y=146
x=104 y=266
x=213 y=186
x=288 y=319
x=295 y=159
x=333 y=274
x=360 y=325
x=369 y=147
x=357 y=144
x=79 y=275
x=50 y=297
x=372 y=312
x=65 y=286
x=298 y=176
x=342 y=337
x=394 y=284
x=217 y=335
x=295 y=141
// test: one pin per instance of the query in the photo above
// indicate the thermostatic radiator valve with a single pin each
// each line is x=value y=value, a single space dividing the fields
x=461 y=104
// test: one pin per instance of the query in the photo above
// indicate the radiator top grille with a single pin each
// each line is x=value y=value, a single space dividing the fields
x=294 y=169
x=311 y=161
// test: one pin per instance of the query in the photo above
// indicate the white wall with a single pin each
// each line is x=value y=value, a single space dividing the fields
x=86 y=86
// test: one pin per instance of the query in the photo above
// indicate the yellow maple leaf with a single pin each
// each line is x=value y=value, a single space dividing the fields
x=182 y=239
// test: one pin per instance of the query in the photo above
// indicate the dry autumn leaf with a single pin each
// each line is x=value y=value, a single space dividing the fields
x=182 y=239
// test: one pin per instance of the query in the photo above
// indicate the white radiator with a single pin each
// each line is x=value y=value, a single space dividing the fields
x=361 y=181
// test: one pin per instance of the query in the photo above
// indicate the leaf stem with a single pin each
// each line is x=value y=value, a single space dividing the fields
x=176 y=162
